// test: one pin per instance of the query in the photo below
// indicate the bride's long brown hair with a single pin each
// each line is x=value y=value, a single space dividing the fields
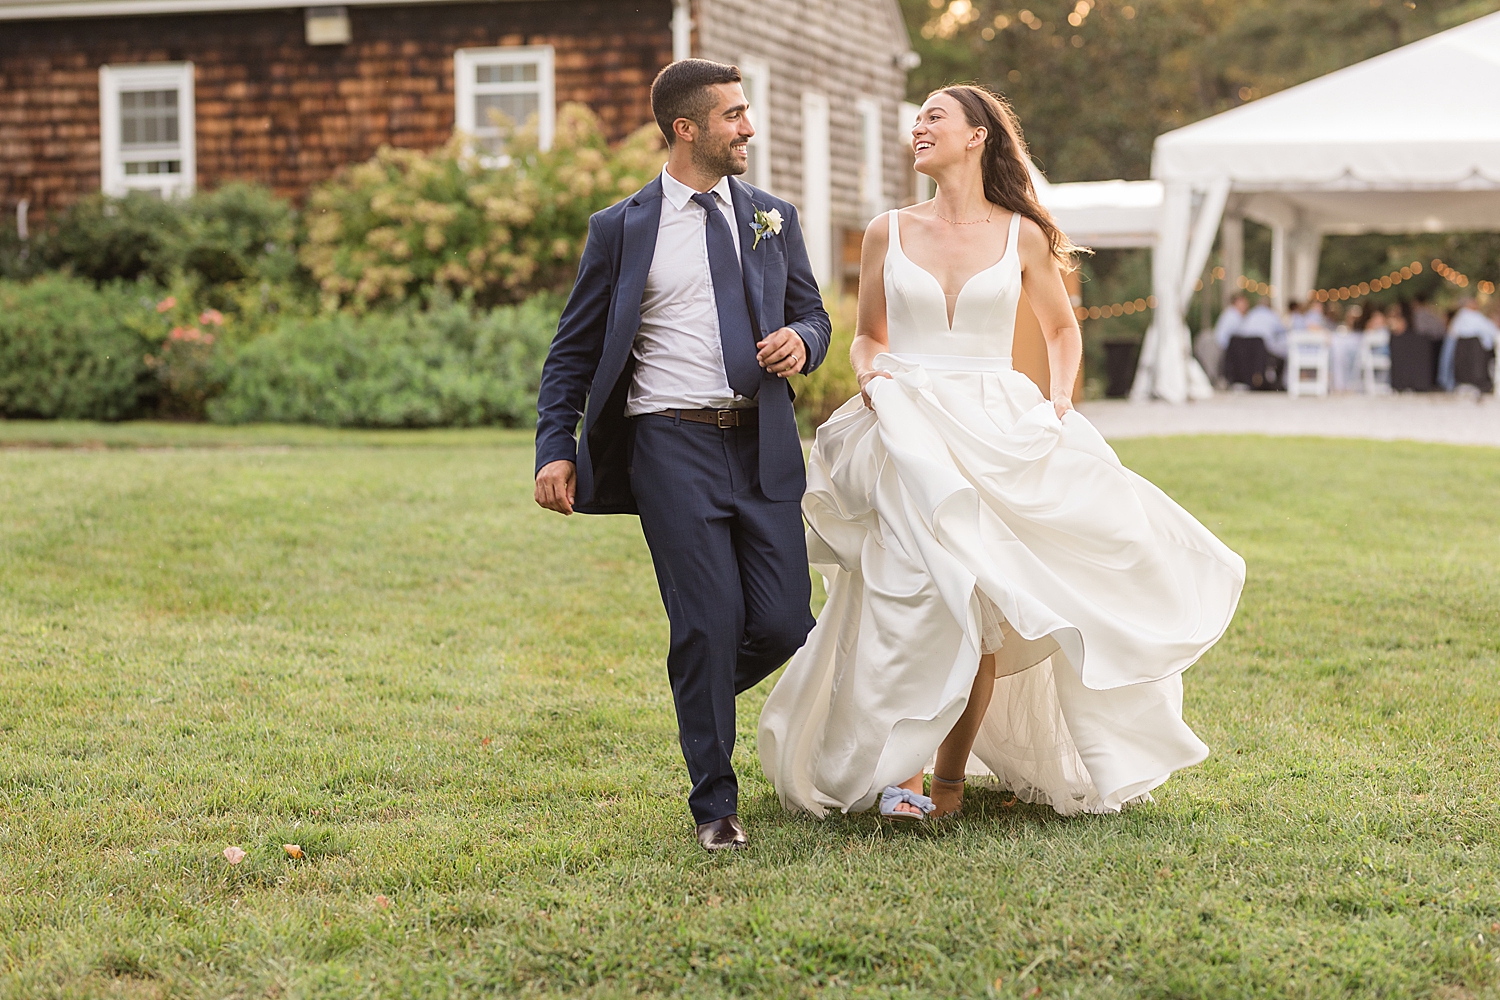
x=1005 y=165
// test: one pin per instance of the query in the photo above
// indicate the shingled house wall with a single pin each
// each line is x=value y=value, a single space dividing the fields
x=272 y=109
x=843 y=49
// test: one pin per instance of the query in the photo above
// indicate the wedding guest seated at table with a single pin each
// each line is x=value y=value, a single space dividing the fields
x=1344 y=373
x=1256 y=351
x=1230 y=319
x=1468 y=324
x=1427 y=321
x=1309 y=318
x=1414 y=354
x=1211 y=347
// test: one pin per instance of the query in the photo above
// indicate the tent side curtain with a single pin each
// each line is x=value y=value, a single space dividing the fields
x=1167 y=368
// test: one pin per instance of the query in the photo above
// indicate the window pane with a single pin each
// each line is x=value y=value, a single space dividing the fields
x=153 y=167
x=518 y=108
x=148 y=117
x=506 y=73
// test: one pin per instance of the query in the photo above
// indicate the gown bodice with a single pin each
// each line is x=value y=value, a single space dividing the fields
x=984 y=317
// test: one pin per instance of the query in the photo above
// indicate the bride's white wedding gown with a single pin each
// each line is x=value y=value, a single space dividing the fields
x=963 y=517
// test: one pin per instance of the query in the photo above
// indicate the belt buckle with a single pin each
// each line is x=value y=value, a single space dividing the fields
x=727 y=418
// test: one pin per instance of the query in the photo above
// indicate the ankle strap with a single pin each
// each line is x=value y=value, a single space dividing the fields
x=949 y=781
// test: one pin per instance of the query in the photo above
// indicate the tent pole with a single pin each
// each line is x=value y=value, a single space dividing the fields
x=1232 y=251
x=1279 y=275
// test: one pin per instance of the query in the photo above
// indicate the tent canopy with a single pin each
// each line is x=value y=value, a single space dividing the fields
x=1408 y=141
x=1104 y=213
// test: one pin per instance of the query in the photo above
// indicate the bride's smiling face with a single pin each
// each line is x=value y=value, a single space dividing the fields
x=942 y=135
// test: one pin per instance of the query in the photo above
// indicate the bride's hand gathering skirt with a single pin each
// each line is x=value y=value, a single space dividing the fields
x=963 y=517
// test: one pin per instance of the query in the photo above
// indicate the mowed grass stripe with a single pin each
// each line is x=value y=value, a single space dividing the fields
x=457 y=702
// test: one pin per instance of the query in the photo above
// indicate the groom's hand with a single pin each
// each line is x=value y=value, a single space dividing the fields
x=782 y=353
x=555 y=486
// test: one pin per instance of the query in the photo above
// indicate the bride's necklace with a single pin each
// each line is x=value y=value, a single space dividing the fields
x=974 y=223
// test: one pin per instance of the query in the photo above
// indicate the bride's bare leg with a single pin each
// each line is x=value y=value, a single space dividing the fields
x=953 y=754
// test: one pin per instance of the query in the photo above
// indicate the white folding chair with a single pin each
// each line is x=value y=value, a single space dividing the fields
x=1375 y=361
x=1306 y=365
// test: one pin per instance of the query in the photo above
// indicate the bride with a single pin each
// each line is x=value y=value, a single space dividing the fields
x=1004 y=597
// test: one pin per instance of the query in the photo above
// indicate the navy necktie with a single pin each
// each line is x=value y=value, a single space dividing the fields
x=735 y=332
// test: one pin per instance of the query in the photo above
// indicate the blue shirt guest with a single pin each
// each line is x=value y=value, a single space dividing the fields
x=1230 y=320
x=1467 y=322
x=1263 y=322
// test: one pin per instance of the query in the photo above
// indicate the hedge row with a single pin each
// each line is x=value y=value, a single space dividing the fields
x=71 y=349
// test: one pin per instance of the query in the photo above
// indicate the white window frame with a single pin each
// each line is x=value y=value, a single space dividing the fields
x=465 y=89
x=872 y=156
x=924 y=188
x=113 y=80
x=758 y=93
x=816 y=208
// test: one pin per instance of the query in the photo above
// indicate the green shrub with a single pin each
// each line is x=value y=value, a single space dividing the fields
x=448 y=365
x=831 y=385
x=407 y=221
x=72 y=351
x=234 y=233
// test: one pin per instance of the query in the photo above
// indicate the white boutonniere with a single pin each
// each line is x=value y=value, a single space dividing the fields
x=766 y=223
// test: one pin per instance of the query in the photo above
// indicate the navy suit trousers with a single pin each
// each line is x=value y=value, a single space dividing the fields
x=732 y=567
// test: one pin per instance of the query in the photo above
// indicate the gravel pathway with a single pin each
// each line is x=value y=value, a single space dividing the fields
x=1455 y=419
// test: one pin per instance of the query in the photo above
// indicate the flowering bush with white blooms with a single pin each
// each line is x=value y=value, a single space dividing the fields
x=407 y=220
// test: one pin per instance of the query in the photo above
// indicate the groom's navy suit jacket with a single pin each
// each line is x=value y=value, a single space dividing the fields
x=589 y=369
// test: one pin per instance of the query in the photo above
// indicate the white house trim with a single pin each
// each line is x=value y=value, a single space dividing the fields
x=146 y=166
x=817 y=186
x=872 y=156
x=756 y=75
x=12 y=11
x=467 y=89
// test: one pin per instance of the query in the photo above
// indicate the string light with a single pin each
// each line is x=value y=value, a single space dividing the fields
x=1127 y=308
x=1346 y=292
x=1341 y=294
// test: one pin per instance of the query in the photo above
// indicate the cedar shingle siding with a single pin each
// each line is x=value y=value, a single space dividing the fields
x=843 y=49
x=273 y=109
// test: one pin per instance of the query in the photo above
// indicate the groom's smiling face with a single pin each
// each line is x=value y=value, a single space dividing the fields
x=719 y=141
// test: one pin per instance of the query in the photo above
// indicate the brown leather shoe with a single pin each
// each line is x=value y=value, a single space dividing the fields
x=724 y=834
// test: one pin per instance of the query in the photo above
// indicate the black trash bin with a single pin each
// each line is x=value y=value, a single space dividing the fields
x=1120 y=357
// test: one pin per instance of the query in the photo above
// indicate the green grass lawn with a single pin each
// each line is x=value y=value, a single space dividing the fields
x=455 y=704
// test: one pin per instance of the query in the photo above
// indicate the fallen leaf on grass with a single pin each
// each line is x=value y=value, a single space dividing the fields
x=384 y=902
x=292 y=850
x=234 y=855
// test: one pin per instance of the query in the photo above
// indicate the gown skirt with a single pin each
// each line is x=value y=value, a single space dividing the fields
x=963 y=517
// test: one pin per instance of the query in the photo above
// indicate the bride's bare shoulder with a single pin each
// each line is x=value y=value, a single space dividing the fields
x=1031 y=242
x=877 y=234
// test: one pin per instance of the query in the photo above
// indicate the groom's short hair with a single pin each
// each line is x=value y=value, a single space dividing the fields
x=681 y=91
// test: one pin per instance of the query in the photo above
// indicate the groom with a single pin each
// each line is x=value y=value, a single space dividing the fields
x=694 y=301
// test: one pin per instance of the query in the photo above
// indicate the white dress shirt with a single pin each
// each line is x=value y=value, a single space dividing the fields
x=679 y=357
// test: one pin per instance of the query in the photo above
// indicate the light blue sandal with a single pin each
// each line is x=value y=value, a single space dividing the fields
x=895 y=795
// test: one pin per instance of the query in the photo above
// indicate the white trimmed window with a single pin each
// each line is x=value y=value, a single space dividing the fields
x=146 y=129
x=871 y=157
x=924 y=188
x=755 y=79
x=514 y=83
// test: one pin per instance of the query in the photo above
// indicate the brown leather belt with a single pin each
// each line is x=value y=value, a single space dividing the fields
x=746 y=417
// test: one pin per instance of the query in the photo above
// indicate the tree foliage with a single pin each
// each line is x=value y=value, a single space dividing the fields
x=1095 y=81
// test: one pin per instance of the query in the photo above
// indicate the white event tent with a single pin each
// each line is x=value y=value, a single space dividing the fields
x=1408 y=141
